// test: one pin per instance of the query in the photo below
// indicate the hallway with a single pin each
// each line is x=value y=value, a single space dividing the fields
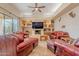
x=41 y=50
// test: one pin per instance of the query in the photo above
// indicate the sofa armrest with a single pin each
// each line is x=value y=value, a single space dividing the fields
x=66 y=49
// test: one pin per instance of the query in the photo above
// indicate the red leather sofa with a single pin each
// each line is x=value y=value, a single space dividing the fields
x=53 y=36
x=58 y=34
x=25 y=47
x=7 y=46
x=65 y=49
x=15 y=42
x=62 y=48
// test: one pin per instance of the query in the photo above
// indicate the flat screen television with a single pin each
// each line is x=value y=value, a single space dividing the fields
x=37 y=25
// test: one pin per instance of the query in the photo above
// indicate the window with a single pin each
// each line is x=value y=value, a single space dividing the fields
x=7 y=25
x=15 y=24
x=1 y=24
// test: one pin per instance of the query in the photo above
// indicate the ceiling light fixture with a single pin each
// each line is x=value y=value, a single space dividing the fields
x=36 y=8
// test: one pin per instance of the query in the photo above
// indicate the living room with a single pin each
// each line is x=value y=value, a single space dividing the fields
x=39 y=29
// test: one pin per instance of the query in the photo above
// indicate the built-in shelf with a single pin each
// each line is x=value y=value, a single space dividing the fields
x=48 y=26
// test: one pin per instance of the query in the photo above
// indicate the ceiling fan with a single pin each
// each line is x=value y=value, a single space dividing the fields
x=36 y=8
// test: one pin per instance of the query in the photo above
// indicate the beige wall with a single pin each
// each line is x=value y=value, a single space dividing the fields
x=72 y=24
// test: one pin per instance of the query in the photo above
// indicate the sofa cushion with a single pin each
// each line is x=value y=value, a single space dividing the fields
x=30 y=39
x=21 y=45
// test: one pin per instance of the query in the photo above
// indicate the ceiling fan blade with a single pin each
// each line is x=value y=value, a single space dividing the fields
x=33 y=10
x=31 y=7
x=35 y=5
x=39 y=10
x=41 y=7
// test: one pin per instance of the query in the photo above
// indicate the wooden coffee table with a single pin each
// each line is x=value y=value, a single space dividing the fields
x=43 y=37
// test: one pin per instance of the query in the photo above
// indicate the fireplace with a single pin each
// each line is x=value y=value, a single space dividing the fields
x=37 y=31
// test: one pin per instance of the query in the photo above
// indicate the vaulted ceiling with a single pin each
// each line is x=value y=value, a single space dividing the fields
x=22 y=10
